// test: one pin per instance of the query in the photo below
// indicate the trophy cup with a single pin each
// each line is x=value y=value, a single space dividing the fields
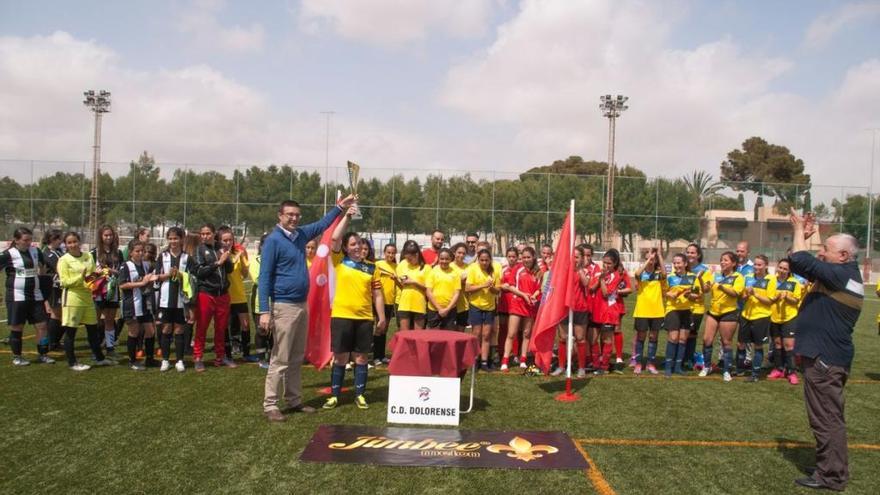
x=354 y=171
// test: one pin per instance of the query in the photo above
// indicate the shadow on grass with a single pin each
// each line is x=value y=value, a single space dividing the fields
x=800 y=457
x=556 y=385
x=873 y=376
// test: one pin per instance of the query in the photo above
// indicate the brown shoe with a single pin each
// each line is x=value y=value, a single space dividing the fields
x=274 y=416
x=302 y=408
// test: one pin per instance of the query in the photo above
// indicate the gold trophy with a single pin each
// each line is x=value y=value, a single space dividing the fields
x=354 y=171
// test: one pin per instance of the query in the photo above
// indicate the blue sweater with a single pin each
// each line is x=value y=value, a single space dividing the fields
x=283 y=273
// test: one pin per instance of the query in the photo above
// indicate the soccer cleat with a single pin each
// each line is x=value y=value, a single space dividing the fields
x=137 y=367
x=523 y=365
x=638 y=369
x=105 y=362
x=558 y=371
x=199 y=366
x=80 y=367
x=19 y=361
x=264 y=365
x=361 y=402
x=166 y=365
x=504 y=367
x=776 y=374
x=793 y=378
x=377 y=363
x=752 y=379
x=331 y=403
x=582 y=373
x=252 y=358
x=485 y=368
x=618 y=367
x=226 y=362
x=705 y=371
x=632 y=362
x=618 y=361
x=180 y=367
x=727 y=377
x=599 y=372
x=652 y=369
x=45 y=359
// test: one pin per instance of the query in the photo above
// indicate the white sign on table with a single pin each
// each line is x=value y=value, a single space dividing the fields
x=424 y=400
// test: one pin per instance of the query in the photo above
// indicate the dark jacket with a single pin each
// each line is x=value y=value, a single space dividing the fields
x=212 y=278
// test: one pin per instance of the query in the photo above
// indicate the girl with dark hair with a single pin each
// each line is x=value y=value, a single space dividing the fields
x=503 y=310
x=263 y=338
x=443 y=289
x=75 y=270
x=481 y=288
x=387 y=268
x=649 y=310
x=25 y=300
x=581 y=312
x=411 y=274
x=172 y=266
x=692 y=358
x=238 y=331
x=754 y=326
x=523 y=306
x=680 y=292
x=134 y=278
x=212 y=266
x=52 y=252
x=357 y=300
x=459 y=254
x=725 y=289
x=108 y=260
x=787 y=295
x=607 y=305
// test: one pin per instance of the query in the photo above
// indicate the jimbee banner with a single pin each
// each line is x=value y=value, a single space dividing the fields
x=443 y=448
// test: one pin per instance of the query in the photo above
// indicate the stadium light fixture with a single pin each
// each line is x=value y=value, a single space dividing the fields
x=99 y=103
x=611 y=108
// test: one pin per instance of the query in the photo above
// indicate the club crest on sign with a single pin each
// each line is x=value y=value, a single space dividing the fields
x=424 y=393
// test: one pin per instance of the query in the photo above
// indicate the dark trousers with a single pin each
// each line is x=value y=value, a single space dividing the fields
x=823 y=394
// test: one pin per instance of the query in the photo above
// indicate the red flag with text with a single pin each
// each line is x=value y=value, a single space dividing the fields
x=556 y=300
x=320 y=295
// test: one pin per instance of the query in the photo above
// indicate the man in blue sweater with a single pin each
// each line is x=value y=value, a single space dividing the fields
x=283 y=289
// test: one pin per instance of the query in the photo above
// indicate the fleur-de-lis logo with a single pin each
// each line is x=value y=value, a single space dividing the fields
x=522 y=449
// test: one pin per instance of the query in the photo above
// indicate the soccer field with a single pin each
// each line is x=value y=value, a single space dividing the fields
x=111 y=430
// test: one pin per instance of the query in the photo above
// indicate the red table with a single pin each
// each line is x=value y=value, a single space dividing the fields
x=443 y=353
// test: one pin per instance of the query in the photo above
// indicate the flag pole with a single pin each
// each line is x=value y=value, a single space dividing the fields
x=568 y=396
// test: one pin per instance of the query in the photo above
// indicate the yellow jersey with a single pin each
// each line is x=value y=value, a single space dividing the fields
x=680 y=284
x=70 y=274
x=702 y=272
x=443 y=285
x=753 y=309
x=412 y=298
x=355 y=281
x=722 y=302
x=783 y=310
x=254 y=272
x=649 y=295
x=483 y=299
x=462 y=304
x=386 y=278
x=236 y=279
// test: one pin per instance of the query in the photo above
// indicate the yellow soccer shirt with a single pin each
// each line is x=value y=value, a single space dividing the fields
x=649 y=296
x=753 y=309
x=482 y=299
x=355 y=281
x=386 y=278
x=722 y=302
x=462 y=304
x=680 y=284
x=702 y=272
x=443 y=284
x=236 y=279
x=70 y=274
x=412 y=298
x=254 y=272
x=782 y=310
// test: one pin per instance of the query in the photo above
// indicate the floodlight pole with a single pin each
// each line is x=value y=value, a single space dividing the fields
x=611 y=108
x=99 y=103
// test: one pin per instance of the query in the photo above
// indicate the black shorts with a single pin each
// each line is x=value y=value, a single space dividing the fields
x=238 y=309
x=581 y=318
x=678 y=319
x=25 y=312
x=754 y=331
x=410 y=316
x=645 y=324
x=349 y=335
x=102 y=305
x=176 y=316
x=784 y=330
x=389 y=312
x=434 y=320
x=725 y=317
x=461 y=319
x=54 y=297
x=144 y=318
x=696 y=320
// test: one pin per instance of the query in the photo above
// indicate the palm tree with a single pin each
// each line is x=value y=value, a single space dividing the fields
x=702 y=185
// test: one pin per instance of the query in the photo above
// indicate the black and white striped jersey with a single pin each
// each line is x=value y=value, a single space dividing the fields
x=22 y=271
x=171 y=290
x=134 y=301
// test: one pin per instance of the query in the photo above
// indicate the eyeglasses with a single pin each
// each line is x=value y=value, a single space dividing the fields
x=471 y=242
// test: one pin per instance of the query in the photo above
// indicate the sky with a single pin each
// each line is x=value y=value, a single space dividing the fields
x=417 y=85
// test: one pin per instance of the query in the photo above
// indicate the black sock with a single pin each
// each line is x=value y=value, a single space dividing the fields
x=15 y=342
x=95 y=337
x=187 y=336
x=69 y=338
x=379 y=346
x=740 y=359
x=165 y=345
x=179 y=346
x=132 y=343
x=55 y=331
x=150 y=347
x=245 y=343
x=777 y=358
x=337 y=377
x=118 y=325
x=789 y=361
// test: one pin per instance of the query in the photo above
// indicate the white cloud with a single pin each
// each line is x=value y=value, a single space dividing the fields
x=200 y=21
x=396 y=22
x=544 y=73
x=824 y=27
x=191 y=115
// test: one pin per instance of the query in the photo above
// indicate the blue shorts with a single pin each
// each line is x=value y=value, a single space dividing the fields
x=477 y=316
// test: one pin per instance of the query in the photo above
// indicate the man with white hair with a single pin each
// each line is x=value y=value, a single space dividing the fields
x=824 y=342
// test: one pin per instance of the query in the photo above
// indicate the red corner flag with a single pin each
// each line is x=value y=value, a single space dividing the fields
x=555 y=301
x=320 y=280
